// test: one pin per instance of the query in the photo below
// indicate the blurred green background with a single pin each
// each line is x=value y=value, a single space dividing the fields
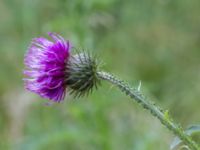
x=156 y=42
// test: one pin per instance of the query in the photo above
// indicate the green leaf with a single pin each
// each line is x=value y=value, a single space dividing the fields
x=191 y=130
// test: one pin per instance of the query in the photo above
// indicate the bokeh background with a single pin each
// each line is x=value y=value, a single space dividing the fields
x=156 y=42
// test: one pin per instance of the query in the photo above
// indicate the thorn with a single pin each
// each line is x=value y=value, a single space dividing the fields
x=139 y=86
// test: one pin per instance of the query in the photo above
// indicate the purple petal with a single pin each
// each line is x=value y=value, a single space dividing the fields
x=45 y=63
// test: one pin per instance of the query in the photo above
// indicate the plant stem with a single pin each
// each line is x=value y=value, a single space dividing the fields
x=150 y=106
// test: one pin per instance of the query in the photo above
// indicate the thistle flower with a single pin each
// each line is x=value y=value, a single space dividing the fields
x=51 y=68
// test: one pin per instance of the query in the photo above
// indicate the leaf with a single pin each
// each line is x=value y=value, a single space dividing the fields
x=191 y=130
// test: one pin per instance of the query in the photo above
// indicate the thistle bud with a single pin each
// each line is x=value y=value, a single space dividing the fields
x=81 y=74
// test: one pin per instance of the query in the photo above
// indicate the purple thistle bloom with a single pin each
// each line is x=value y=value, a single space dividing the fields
x=46 y=66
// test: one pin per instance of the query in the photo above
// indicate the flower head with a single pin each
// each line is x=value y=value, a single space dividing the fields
x=51 y=68
x=45 y=67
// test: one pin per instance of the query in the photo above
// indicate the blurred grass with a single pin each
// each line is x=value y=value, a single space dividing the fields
x=156 y=42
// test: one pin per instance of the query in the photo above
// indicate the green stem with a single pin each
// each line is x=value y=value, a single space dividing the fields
x=155 y=110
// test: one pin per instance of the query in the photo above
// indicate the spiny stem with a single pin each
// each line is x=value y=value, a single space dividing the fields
x=150 y=106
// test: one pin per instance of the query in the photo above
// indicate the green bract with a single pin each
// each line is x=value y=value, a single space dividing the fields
x=81 y=74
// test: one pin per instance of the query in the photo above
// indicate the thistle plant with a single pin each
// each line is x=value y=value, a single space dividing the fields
x=52 y=70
